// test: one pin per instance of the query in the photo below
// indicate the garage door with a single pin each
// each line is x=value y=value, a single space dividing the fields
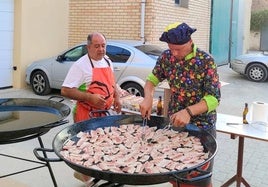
x=6 y=44
x=222 y=48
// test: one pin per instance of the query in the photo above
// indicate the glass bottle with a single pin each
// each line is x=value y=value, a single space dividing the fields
x=245 y=112
x=159 y=107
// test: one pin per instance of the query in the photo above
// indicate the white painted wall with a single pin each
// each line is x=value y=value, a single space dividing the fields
x=40 y=31
x=6 y=44
x=244 y=26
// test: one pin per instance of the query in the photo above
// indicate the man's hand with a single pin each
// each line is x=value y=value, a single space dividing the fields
x=117 y=105
x=97 y=101
x=180 y=119
x=146 y=107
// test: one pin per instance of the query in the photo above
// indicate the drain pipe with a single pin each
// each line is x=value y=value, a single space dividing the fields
x=230 y=32
x=142 y=20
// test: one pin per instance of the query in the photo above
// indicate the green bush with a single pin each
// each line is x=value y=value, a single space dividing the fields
x=258 y=19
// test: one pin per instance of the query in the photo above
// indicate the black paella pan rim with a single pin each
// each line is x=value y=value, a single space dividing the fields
x=69 y=132
x=15 y=128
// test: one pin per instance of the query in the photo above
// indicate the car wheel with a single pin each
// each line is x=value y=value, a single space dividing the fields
x=39 y=83
x=134 y=89
x=257 y=73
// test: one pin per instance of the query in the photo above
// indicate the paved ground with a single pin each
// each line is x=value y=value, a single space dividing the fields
x=236 y=91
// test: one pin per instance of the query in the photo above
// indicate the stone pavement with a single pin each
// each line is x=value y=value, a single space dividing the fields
x=236 y=91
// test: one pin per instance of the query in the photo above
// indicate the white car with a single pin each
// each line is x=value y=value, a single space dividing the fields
x=252 y=65
x=132 y=62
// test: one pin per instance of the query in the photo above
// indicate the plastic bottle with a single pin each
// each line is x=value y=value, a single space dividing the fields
x=245 y=112
x=159 y=107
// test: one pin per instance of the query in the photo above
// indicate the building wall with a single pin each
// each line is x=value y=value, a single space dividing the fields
x=115 y=19
x=196 y=15
x=243 y=30
x=43 y=28
x=255 y=36
x=40 y=31
x=258 y=5
x=121 y=19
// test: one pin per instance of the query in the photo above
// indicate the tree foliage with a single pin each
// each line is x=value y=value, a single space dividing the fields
x=258 y=19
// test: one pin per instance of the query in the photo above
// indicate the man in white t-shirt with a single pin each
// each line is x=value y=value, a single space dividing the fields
x=90 y=81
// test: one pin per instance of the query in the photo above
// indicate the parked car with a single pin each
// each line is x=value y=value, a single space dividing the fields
x=252 y=65
x=132 y=62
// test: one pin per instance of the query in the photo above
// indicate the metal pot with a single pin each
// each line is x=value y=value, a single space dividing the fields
x=70 y=132
x=26 y=118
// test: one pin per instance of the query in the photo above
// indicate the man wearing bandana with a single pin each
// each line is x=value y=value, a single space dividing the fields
x=194 y=84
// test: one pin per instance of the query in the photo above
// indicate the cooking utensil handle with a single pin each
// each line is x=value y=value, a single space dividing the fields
x=55 y=96
x=44 y=150
x=194 y=179
x=192 y=127
x=55 y=124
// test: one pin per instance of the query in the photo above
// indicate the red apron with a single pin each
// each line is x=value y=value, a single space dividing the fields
x=102 y=83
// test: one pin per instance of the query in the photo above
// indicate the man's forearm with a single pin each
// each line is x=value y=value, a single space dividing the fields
x=74 y=93
x=198 y=108
x=149 y=89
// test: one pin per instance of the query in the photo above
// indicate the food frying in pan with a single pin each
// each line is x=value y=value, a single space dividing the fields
x=122 y=150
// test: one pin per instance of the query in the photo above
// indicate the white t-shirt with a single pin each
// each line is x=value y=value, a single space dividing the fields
x=81 y=72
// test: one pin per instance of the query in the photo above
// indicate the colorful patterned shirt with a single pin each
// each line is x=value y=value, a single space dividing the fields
x=191 y=80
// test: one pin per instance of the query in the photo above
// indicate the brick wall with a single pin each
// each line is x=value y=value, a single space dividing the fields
x=196 y=15
x=121 y=19
x=117 y=19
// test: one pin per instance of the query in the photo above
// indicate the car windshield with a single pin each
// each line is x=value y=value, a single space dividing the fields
x=75 y=53
x=153 y=51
